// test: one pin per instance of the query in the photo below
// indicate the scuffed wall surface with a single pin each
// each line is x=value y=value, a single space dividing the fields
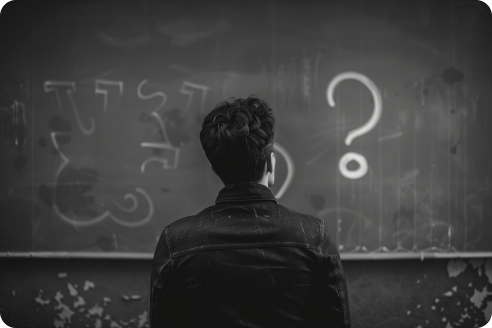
x=74 y=293
x=429 y=293
x=115 y=293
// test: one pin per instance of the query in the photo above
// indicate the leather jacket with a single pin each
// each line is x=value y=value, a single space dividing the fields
x=247 y=261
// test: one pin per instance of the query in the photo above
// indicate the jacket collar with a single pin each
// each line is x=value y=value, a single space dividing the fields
x=244 y=191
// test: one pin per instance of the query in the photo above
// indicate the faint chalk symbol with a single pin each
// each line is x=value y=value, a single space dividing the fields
x=290 y=169
x=70 y=88
x=390 y=136
x=65 y=162
x=158 y=145
x=103 y=91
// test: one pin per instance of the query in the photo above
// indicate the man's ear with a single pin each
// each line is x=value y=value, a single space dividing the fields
x=269 y=163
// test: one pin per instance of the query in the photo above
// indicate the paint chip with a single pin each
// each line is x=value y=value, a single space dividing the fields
x=433 y=307
x=88 y=284
x=135 y=297
x=409 y=312
x=40 y=300
x=418 y=306
x=450 y=293
x=478 y=297
x=98 y=323
x=142 y=319
x=114 y=324
x=79 y=302
x=455 y=267
x=455 y=289
x=62 y=275
x=437 y=300
x=72 y=290
x=488 y=312
x=96 y=309
x=488 y=270
x=66 y=313
x=444 y=319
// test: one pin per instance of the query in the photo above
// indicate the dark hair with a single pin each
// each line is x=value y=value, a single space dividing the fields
x=237 y=137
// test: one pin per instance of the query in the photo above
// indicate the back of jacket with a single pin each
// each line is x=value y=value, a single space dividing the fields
x=248 y=262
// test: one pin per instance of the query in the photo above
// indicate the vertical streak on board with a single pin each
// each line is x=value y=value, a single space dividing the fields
x=32 y=122
x=431 y=172
x=338 y=139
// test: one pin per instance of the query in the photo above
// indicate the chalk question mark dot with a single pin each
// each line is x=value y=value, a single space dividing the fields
x=355 y=174
x=368 y=126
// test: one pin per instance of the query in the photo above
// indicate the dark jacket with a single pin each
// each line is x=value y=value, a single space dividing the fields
x=247 y=262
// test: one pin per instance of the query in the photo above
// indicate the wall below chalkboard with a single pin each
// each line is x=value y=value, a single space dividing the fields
x=382 y=294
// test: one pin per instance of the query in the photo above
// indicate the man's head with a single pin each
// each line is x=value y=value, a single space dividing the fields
x=237 y=137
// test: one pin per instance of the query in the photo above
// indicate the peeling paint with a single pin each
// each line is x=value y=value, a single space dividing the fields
x=478 y=297
x=96 y=309
x=476 y=263
x=488 y=312
x=142 y=319
x=488 y=270
x=72 y=290
x=40 y=300
x=106 y=300
x=88 y=284
x=65 y=314
x=114 y=325
x=455 y=267
x=79 y=302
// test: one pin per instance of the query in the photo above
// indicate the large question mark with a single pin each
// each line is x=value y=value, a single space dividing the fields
x=376 y=115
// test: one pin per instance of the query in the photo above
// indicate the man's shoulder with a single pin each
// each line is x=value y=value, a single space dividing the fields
x=186 y=220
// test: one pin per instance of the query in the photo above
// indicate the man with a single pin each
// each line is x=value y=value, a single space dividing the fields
x=246 y=261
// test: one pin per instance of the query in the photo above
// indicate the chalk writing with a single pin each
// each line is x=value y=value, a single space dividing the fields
x=107 y=213
x=187 y=87
x=166 y=143
x=55 y=86
x=368 y=126
x=290 y=169
x=101 y=88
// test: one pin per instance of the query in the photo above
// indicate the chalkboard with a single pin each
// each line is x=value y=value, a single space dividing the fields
x=383 y=113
